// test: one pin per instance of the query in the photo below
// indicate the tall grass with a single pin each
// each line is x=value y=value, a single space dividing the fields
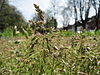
x=8 y=32
x=41 y=57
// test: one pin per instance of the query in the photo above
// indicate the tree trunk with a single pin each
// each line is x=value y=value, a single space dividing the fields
x=75 y=27
x=97 y=18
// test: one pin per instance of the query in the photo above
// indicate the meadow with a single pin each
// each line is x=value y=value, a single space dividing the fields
x=56 y=53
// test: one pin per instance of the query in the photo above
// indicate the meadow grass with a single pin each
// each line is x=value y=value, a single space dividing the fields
x=58 y=53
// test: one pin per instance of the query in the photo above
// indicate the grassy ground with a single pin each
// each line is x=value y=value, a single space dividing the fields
x=59 y=53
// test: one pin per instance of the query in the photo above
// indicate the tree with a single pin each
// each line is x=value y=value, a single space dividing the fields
x=1 y=4
x=9 y=16
x=66 y=13
x=81 y=11
x=96 y=5
x=84 y=9
x=54 y=10
x=50 y=21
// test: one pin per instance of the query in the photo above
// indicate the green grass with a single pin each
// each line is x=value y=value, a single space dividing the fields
x=58 y=53
x=8 y=32
x=98 y=32
x=68 y=33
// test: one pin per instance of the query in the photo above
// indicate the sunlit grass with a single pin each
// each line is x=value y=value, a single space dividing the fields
x=51 y=54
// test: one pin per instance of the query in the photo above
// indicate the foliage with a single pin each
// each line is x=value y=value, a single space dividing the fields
x=52 y=55
x=51 y=22
x=27 y=30
x=8 y=32
x=98 y=32
x=9 y=16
